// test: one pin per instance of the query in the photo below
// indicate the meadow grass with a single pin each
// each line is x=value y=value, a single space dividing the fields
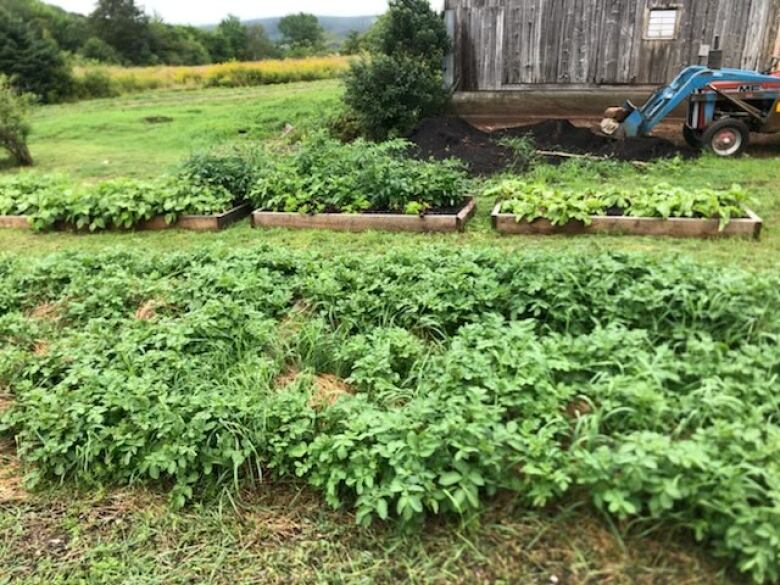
x=285 y=534
x=122 y=80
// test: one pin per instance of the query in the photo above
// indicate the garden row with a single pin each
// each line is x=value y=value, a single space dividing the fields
x=324 y=184
x=411 y=384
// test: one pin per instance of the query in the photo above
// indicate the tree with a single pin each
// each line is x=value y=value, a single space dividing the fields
x=99 y=50
x=32 y=61
x=401 y=82
x=124 y=26
x=302 y=31
x=353 y=43
x=14 y=127
x=234 y=34
x=411 y=28
x=258 y=44
x=175 y=45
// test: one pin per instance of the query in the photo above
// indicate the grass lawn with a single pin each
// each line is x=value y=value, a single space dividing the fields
x=287 y=535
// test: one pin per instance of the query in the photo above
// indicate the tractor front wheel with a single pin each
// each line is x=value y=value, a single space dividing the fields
x=727 y=137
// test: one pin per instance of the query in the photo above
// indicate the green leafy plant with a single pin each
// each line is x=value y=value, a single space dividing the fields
x=119 y=203
x=533 y=200
x=409 y=384
x=323 y=175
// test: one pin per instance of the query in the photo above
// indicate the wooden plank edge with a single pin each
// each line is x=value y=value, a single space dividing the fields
x=366 y=221
x=744 y=226
x=19 y=222
x=465 y=214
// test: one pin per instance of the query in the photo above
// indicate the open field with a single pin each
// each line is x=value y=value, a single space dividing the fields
x=67 y=290
x=123 y=80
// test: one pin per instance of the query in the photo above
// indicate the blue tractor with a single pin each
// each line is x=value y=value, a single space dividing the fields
x=724 y=107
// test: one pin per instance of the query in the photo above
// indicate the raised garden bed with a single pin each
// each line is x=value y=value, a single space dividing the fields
x=393 y=222
x=198 y=223
x=678 y=227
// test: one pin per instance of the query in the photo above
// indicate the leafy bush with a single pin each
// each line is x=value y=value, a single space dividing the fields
x=119 y=203
x=389 y=95
x=534 y=200
x=400 y=83
x=644 y=385
x=14 y=126
x=323 y=175
x=234 y=171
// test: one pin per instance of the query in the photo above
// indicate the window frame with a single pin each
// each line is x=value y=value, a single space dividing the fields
x=676 y=8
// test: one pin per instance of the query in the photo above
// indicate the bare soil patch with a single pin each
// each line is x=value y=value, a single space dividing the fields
x=450 y=137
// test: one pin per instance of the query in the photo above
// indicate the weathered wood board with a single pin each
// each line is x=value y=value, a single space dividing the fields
x=677 y=227
x=367 y=221
x=186 y=222
x=200 y=223
x=19 y=222
x=524 y=44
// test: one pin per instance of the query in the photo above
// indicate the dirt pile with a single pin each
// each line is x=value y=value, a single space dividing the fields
x=446 y=137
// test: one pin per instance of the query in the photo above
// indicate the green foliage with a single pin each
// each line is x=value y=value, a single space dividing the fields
x=98 y=50
x=32 y=60
x=534 y=200
x=323 y=175
x=259 y=45
x=389 y=95
x=125 y=27
x=302 y=32
x=14 y=124
x=234 y=170
x=411 y=28
x=401 y=82
x=354 y=43
x=647 y=387
x=120 y=203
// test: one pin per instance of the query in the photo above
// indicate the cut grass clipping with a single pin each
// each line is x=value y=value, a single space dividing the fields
x=409 y=384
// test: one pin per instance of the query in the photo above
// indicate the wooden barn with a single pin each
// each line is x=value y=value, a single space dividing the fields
x=607 y=46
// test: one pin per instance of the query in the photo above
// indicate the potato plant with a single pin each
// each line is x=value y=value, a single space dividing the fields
x=645 y=386
x=323 y=175
x=529 y=201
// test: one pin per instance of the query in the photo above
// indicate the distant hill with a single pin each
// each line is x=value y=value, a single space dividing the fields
x=335 y=26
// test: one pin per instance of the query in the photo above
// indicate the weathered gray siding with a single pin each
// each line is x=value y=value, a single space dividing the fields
x=508 y=44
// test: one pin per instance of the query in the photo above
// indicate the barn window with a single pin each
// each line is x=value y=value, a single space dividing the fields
x=662 y=23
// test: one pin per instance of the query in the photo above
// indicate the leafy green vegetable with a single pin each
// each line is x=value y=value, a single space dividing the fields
x=411 y=383
x=323 y=175
x=119 y=203
x=529 y=201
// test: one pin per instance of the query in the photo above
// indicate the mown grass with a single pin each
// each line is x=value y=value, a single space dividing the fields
x=286 y=535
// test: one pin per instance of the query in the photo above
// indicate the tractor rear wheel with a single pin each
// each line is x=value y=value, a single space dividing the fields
x=727 y=137
x=692 y=137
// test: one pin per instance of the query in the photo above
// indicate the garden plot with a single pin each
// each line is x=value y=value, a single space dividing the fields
x=361 y=186
x=408 y=385
x=529 y=208
x=53 y=202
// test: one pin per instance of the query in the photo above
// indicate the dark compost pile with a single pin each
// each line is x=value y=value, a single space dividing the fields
x=447 y=137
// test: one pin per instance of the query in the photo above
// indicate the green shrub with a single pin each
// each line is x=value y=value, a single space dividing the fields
x=14 y=125
x=389 y=95
x=400 y=83
x=233 y=171
x=325 y=176
x=95 y=83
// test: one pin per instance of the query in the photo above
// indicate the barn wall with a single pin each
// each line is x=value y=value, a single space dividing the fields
x=512 y=44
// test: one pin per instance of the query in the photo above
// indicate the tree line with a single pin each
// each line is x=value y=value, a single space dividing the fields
x=39 y=42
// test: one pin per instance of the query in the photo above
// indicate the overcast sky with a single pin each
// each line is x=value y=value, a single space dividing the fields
x=207 y=12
